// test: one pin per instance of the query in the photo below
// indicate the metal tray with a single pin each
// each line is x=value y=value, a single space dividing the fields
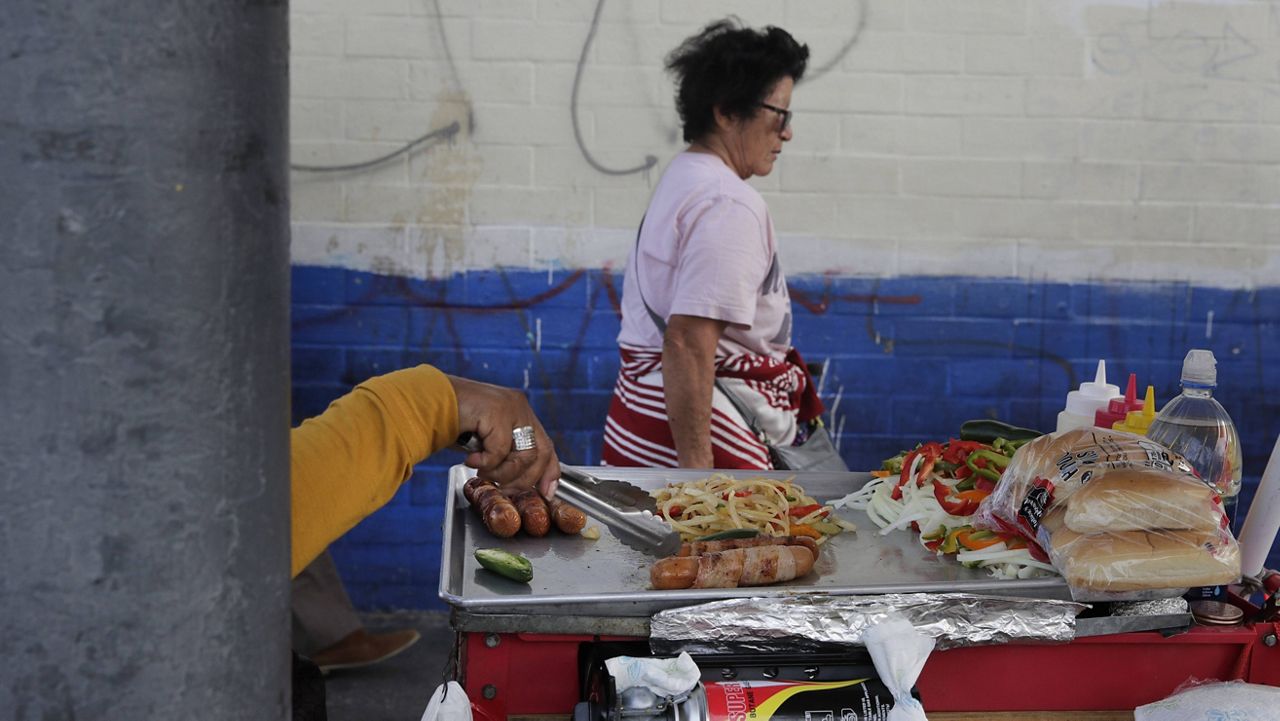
x=576 y=576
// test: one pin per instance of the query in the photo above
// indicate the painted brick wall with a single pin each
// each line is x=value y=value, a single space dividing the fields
x=910 y=359
x=1073 y=140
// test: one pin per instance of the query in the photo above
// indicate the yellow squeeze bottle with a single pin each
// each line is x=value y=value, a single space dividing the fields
x=1139 y=421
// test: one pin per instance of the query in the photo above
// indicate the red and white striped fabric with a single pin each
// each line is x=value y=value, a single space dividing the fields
x=637 y=432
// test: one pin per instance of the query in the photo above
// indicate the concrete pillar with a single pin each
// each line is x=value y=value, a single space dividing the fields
x=143 y=360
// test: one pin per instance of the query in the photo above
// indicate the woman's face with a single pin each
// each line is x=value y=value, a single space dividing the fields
x=755 y=141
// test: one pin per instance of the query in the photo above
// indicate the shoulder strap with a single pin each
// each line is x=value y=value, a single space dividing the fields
x=747 y=415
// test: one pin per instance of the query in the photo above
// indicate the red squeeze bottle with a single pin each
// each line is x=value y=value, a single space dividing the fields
x=1118 y=409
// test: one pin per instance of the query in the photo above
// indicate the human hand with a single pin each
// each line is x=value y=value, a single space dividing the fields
x=492 y=413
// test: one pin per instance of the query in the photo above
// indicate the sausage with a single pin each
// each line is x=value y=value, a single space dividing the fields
x=754 y=566
x=567 y=518
x=698 y=548
x=534 y=516
x=469 y=488
x=497 y=512
x=674 y=572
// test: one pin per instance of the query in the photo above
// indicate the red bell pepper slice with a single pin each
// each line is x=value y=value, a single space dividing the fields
x=958 y=450
x=963 y=503
x=931 y=451
x=802 y=511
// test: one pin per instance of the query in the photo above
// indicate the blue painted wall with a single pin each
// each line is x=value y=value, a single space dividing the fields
x=915 y=357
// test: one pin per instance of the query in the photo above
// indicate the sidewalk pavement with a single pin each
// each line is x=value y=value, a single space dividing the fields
x=396 y=689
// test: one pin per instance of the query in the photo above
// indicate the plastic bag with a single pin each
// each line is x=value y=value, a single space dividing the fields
x=1119 y=516
x=1214 y=701
x=899 y=651
x=448 y=703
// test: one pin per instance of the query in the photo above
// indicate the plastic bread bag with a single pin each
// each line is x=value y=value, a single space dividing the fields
x=1120 y=516
x=1229 y=701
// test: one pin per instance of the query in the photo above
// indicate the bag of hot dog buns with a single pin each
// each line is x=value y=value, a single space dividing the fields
x=1119 y=516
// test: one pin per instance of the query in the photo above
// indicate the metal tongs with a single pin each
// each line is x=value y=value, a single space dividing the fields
x=627 y=511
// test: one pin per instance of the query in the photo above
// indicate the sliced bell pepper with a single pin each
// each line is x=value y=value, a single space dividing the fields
x=802 y=511
x=930 y=451
x=1011 y=541
x=962 y=503
x=951 y=543
x=957 y=450
x=936 y=534
x=801 y=529
x=976 y=540
x=999 y=460
x=976 y=463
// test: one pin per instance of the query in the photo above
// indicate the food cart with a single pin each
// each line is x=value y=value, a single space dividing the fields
x=527 y=650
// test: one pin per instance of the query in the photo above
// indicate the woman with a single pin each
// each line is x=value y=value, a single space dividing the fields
x=704 y=300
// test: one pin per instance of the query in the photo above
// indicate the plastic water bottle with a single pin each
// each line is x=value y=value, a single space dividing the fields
x=1196 y=426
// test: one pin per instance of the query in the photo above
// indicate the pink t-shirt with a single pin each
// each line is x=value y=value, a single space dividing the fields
x=707 y=249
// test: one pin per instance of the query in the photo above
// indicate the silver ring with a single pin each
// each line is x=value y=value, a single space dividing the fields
x=523 y=437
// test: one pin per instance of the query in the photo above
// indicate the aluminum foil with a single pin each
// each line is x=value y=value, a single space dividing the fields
x=819 y=623
x=1158 y=607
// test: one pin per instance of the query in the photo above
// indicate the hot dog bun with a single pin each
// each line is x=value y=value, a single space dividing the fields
x=1142 y=499
x=1142 y=560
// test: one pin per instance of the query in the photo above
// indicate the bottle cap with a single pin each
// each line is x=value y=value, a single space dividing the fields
x=1200 y=369
x=1139 y=421
x=1092 y=395
x=1119 y=407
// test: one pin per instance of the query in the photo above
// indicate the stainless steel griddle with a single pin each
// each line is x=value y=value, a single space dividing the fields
x=575 y=577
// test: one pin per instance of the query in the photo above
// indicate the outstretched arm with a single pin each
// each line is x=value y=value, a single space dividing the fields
x=350 y=460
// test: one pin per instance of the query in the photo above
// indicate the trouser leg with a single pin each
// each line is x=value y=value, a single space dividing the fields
x=322 y=611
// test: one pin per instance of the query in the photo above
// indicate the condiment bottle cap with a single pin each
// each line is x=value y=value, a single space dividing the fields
x=1092 y=395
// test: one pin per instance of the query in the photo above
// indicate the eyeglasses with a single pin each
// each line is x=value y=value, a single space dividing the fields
x=784 y=114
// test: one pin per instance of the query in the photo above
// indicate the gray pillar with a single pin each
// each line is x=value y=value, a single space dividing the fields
x=143 y=360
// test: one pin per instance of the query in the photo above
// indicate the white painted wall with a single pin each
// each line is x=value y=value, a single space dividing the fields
x=1058 y=139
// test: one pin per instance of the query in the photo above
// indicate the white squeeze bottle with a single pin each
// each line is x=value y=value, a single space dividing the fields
x=1197 y=427
x=1082 y=404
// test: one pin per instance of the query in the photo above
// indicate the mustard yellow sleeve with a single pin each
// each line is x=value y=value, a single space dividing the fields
x=350 y=460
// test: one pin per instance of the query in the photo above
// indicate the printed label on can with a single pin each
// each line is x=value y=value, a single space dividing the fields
x=863 y=699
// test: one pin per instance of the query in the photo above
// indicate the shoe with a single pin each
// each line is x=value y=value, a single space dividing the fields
x=361 y=648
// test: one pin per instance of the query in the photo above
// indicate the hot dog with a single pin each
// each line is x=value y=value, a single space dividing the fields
x=698 y=548
x=567 y=518
x=534 y=516
x=755 y=566
x=497 y=512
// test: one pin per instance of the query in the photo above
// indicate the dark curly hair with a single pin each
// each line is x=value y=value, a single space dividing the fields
x=731 y=67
